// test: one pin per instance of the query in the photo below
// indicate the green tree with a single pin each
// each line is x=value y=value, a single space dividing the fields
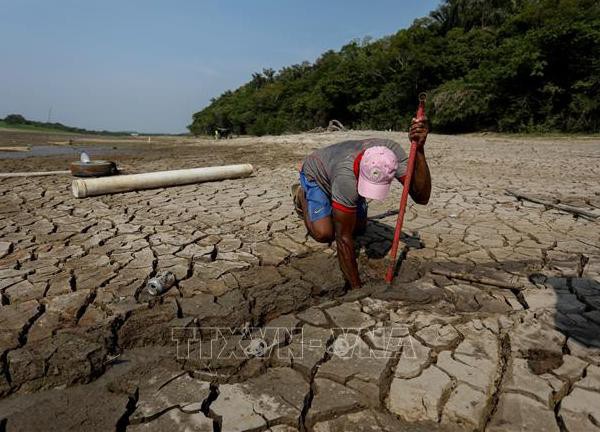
x=506 y=65
x=15 y=119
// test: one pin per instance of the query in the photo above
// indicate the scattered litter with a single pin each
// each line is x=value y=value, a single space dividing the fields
x=160 y=283
x=256 y=348
x=86 y=167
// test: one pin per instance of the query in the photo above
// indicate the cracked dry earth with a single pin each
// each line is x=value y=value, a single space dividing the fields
x=82 y=347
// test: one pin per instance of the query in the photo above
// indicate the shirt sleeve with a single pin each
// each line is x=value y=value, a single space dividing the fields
x=344 y=191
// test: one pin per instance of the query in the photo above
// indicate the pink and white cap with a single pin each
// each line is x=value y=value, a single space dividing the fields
x=377 y=170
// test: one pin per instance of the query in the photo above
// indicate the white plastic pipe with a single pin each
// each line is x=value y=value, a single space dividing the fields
x=15 y=149
x=33 y=174
x=126 y=183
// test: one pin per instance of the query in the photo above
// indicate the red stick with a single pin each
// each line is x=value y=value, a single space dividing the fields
x=404 y=199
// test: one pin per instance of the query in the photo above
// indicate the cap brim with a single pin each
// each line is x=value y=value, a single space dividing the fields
x=371 y=190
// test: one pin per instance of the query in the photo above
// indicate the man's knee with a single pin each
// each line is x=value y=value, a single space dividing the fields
x=323 y=234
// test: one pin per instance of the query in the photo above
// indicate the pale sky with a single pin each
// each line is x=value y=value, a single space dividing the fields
x=148 y=65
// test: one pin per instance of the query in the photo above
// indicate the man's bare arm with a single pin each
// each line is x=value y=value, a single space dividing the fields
x=420 y=188
x=344 y=224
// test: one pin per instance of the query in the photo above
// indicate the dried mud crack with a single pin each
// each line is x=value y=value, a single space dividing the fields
x=81 y=341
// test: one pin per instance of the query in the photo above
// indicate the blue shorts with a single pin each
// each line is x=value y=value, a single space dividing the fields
x=319 y=204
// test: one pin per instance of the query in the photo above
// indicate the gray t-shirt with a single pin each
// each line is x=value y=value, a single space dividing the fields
x=332 y=168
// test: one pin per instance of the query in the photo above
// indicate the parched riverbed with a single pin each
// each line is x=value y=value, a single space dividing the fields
x=260 y=332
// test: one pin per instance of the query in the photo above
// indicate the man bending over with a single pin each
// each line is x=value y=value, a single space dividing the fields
x=335 y=182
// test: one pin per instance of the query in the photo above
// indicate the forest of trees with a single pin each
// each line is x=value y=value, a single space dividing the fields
x=500 y=65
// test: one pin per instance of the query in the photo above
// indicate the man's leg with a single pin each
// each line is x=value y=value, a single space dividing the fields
x=321 y=229
x=316 y=211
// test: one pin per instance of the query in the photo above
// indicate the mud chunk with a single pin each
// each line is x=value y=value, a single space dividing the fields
x=324 y=406
x=165 y=391
x=414 y=357
x=251 y=403
x=418 y=399
x=516 y=412
x=439 y=336
x=580 y=410
x=61 y=359
x=350 y=316
x=313 y=316
x=354 y=363
x=466 y=406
